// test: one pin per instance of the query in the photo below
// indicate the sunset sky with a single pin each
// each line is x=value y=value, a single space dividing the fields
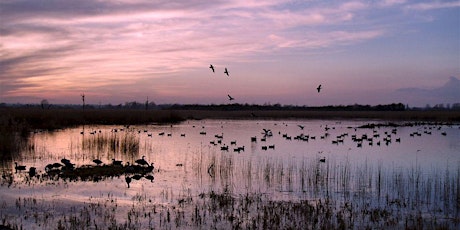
x=276 y=51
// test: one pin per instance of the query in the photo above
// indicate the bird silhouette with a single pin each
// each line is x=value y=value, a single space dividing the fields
x=142 y=161
x=149 y=168
x=149 y=177
x=319 y=88
x=211 y=67
x=137 y=177
x=226 y=72
x=301 y=126
x=32 y=171
x=65 y=161
x=19 y=167
x=128 y=180
x=115 y=162
x=230 y=98
x=267 y=132
x=97 y=161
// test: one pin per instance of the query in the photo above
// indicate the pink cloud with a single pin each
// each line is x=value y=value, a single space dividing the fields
x=434 y=5
x=163 y=47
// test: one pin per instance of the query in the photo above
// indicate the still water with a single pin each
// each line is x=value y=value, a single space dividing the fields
x=282 y=159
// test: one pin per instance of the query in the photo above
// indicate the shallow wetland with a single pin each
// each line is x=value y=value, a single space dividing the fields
x=241 y=174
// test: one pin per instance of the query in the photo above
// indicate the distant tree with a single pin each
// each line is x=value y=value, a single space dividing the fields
x=152 y=104
x=439 y=106
x=456 y=106
x=45 y=104
x=83 y=99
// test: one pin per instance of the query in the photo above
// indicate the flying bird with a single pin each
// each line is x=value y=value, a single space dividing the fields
x=226 y=71
x=211 y=67
x=230 y=97
x=319 y=88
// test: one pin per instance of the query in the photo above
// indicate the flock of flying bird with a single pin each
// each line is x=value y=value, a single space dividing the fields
x=230 y=98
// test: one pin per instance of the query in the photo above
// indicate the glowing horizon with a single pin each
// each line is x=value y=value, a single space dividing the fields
x=276 y=51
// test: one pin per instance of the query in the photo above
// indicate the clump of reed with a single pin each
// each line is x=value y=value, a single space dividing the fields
x=347 y=195
x=13 y=137
x=114 y=142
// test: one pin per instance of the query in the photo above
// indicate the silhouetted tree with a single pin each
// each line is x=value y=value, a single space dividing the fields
x=45 y=104
x=83 y=99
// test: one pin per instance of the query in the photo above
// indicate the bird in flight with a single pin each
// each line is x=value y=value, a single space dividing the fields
x=226 y=71
x=319 y=88
x=230 y=98
x=211 y=67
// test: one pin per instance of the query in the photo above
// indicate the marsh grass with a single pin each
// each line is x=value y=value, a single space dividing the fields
x=113 y=143
x=346 y=195
x=408 y=199
x=13 y=137
x=278 y=194
x=16 y=125
x=351 y=206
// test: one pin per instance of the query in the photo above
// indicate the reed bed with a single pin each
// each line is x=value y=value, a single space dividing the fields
x=113 y=143
x=305 y=194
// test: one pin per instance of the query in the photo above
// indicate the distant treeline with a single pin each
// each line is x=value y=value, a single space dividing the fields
x=241 y=107
x=254 y=107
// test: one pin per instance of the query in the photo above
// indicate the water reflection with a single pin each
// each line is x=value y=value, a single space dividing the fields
x=414 y=165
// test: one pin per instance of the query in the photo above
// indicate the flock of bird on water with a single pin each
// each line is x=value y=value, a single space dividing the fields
x=230 y=98
x=143 y=169
x=67 y=169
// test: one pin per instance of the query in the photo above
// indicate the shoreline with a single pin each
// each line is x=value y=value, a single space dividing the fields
x=422 y=116
x=35 y=118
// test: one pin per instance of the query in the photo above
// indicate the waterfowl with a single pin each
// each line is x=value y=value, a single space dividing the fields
x=65 y=161
x=149 y=177
x=211 y=67
x=319 y=88
x=97 y=161
x=129 y=168
x=128 y=180
x=115 y=162
x=226 y=72
x=142 y=161
x=32 y=171
x=230 y=98
x=149 y=168
x=19 y=167
x=137 y=177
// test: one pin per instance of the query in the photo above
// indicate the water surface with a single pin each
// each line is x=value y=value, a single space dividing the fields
x=300 y=159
